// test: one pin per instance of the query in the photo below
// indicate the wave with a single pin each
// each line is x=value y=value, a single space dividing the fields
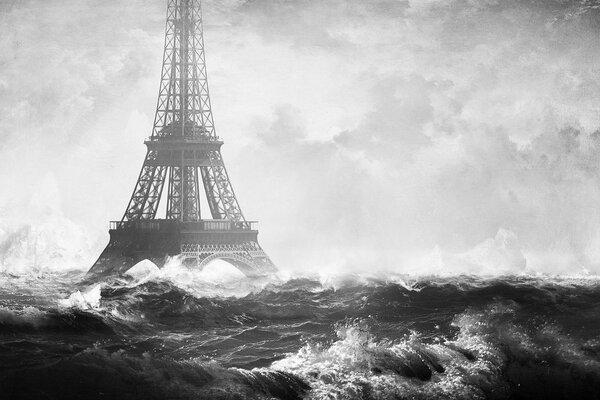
x=99 y=374
x=492 y=356
x=31 y=319
x=359 y=338
x=160 y=300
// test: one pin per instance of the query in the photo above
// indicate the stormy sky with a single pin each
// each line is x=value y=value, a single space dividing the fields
x=402 y=135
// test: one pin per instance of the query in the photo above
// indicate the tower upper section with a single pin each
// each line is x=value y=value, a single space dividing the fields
x=184 y=109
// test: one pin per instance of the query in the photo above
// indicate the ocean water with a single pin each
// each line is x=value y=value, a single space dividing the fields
x=181 y=334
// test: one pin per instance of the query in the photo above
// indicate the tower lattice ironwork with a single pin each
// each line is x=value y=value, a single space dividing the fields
x=183 y=151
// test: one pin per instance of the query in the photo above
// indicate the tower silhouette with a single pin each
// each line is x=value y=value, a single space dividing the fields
x=183 y=151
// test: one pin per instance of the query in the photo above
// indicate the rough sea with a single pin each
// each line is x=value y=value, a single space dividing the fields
x=180 y=334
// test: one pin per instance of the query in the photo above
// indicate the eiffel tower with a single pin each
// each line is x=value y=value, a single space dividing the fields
x=183 y=150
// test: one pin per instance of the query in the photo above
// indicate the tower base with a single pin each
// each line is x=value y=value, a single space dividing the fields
x=197 y=243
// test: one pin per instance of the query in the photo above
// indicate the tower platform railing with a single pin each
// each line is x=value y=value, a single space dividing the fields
x=202 y=225
x=186 y=138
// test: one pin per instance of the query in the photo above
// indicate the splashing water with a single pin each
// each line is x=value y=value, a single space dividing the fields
x=177 y=333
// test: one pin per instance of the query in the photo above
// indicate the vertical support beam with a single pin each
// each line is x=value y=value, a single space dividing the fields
x=146 y=194
x=191 y=204
x=174 y=195
x=197 y=193
x=184 y=15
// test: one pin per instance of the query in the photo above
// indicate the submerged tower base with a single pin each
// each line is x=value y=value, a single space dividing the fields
x=197 y=243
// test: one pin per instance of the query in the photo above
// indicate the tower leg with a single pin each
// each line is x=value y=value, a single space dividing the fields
x=117 y=258
x=112 y=261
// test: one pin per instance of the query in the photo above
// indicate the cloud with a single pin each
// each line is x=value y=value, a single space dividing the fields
x=462 y=113
x=360 y=134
